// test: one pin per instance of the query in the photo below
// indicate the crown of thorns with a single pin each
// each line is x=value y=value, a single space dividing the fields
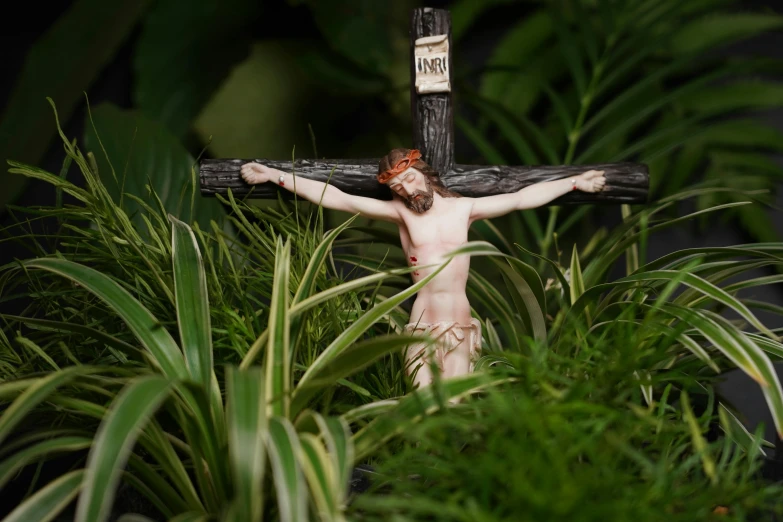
x=400 y=167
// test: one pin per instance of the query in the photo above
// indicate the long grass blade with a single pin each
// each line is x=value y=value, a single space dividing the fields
x=284 y=449
x=278 y=356
x=47 y=503
x=351 y=360
x=411 y=408
x=192 y=301
x=352 y=333
x=141 y=322
x=114 y=440
x=319 y=256
x=37 y=390
x=38 y=451
x=247 y=428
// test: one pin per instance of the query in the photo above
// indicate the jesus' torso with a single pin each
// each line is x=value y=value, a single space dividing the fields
x=425 y=238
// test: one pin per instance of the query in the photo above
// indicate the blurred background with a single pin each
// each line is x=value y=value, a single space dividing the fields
x=690 y=88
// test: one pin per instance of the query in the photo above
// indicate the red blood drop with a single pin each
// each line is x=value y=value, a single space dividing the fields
x=413 y=259
x=282 y=184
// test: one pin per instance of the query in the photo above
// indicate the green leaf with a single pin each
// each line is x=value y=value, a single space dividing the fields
x=47 y=503
x=320 y=476
x=699 y=443
x=351 y=360
x=192 y=301
x=284 y=449
x=527 y=293
x=350 y=335
x=247 y=428
x=150 y=333
x=37 y=390
x=140 y=152
x=114 y=440
x=278 y=352
x=63 y=63
x=184 y=52
x=21 y=458
x=577 y=281
x=317 y=260
x=394 y=419
x=723 y=29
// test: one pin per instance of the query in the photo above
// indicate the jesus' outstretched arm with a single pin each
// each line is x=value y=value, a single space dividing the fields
x=535 y=195
x=321 y=193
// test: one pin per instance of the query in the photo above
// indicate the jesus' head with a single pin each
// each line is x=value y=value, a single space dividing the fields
x=411 y=179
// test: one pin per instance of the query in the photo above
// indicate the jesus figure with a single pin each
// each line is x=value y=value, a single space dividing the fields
x=432 y=221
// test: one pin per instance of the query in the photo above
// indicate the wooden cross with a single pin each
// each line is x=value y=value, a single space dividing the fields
x=433 y=135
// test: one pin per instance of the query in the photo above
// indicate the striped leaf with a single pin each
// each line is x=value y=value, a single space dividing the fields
x=284 y=448
x=36 y=452
x=351 y=360
x=36 y=391
x=527 y=293
x=247 y=430
x=127 y=416
x=47 y=502
x=278 y=356
x=142 y=323
x=320 y=474
x=192 y=300
x=353 y=332
x=411 y=408
x=337 y=435
x=307 y=284
x=577 y=281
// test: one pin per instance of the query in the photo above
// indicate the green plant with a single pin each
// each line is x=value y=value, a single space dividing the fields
x=156 y=412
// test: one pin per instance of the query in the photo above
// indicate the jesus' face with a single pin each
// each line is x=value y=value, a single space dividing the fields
x=414 y=188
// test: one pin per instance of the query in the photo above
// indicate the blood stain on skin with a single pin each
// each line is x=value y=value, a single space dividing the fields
x=413 y=259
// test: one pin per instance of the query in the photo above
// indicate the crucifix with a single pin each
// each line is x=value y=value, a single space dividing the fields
x=431 y=199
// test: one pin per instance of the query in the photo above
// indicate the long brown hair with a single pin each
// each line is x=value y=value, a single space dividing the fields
x=392 y=158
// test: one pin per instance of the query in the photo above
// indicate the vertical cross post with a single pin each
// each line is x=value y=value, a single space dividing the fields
x=432 y=109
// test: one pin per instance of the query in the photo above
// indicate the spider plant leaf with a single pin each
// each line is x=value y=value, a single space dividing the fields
x=247 y=430
x=320 y=476
x=577 y=279
x=114 y=440
x=527 y=294
x=45 y=504
x=317 y=260
x=353 y=332
x=19 y=459
x=394 y=419
x=35 y=391
x=284 y=450
x=150 y=333
x=278 y=354
x=321 y=297
x=484 y=292
x=192 y=302
x=353 y=359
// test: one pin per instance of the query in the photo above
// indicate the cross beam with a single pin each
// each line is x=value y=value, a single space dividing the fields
x=433 y=135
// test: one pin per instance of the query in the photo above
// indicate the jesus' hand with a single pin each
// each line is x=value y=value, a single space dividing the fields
x=591 y=181
x=254 y=173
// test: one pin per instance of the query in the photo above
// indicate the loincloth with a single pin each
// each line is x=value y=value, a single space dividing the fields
x=449 y=336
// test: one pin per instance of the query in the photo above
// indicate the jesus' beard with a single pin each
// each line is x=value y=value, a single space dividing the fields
x=422 y=203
